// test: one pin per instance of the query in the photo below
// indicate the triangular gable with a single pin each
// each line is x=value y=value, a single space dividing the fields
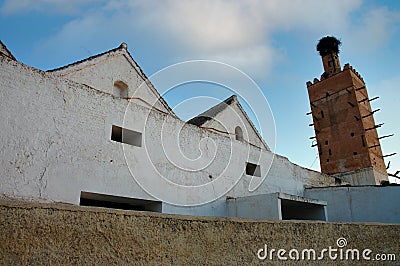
x=112 y=68
x=209 y=114
x=226 y=116
x=4 y=51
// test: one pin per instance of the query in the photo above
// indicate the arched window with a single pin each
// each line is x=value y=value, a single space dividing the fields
x=238 y=133
x=120 y=89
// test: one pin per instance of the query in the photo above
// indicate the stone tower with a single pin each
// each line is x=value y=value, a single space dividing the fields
x=344 y=125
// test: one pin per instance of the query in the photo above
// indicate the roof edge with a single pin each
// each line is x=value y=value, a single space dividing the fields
x=123 y=48
x=212 y=112
x=8 y=52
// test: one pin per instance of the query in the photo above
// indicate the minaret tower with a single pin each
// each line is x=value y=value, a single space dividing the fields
x=344 y=125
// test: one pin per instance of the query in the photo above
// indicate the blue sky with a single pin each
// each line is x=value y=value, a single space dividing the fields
x=271 y=41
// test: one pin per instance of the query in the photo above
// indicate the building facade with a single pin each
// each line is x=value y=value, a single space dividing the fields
x=97 y=133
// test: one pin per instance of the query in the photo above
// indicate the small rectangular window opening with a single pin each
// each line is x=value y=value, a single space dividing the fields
x=363 y=140
x=121 y=89
x=117 y=202
x=253 y=169
x=127 y=136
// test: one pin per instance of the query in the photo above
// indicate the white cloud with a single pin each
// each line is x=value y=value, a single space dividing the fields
x=70 y=7
x=240 y=33
x=236 y=32
x=256 y=60
x=374 y=30
x=209 y=26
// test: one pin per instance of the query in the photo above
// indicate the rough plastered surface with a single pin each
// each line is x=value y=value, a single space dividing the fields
x=35 y=234
x=55 y=142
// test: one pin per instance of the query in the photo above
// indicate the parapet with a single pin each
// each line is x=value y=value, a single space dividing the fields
x=309 y=83
x=348 y=66
x=345 y=68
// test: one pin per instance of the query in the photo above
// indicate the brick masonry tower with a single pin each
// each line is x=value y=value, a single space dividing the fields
x=344 y=125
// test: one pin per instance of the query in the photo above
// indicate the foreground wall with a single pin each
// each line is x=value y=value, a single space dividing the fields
x=51 y=234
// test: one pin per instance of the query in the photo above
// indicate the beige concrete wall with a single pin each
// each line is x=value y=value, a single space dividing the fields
x=54 y=234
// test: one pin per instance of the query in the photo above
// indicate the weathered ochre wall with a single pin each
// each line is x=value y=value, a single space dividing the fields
x=55 y=234
x=345 y=127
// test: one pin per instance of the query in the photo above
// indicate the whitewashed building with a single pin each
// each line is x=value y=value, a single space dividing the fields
x=97 y=132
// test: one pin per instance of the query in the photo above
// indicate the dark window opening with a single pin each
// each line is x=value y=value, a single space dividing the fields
x=294 y=210
x=253 y=169
x=127 y=136
x=322 y=114
x=330 y=152
x=355 y=153
x=326 y=142
x=327 y=160
x=238 y=133
x=363 y=140
x=117 y=202
x=352 y=134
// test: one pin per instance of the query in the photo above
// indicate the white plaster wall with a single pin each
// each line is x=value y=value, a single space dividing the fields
x=102 y=72
x=229 y=118
x=360 y=204
x=265 y=207
x=55 y=143
x=362 y=177
x=56 y=138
